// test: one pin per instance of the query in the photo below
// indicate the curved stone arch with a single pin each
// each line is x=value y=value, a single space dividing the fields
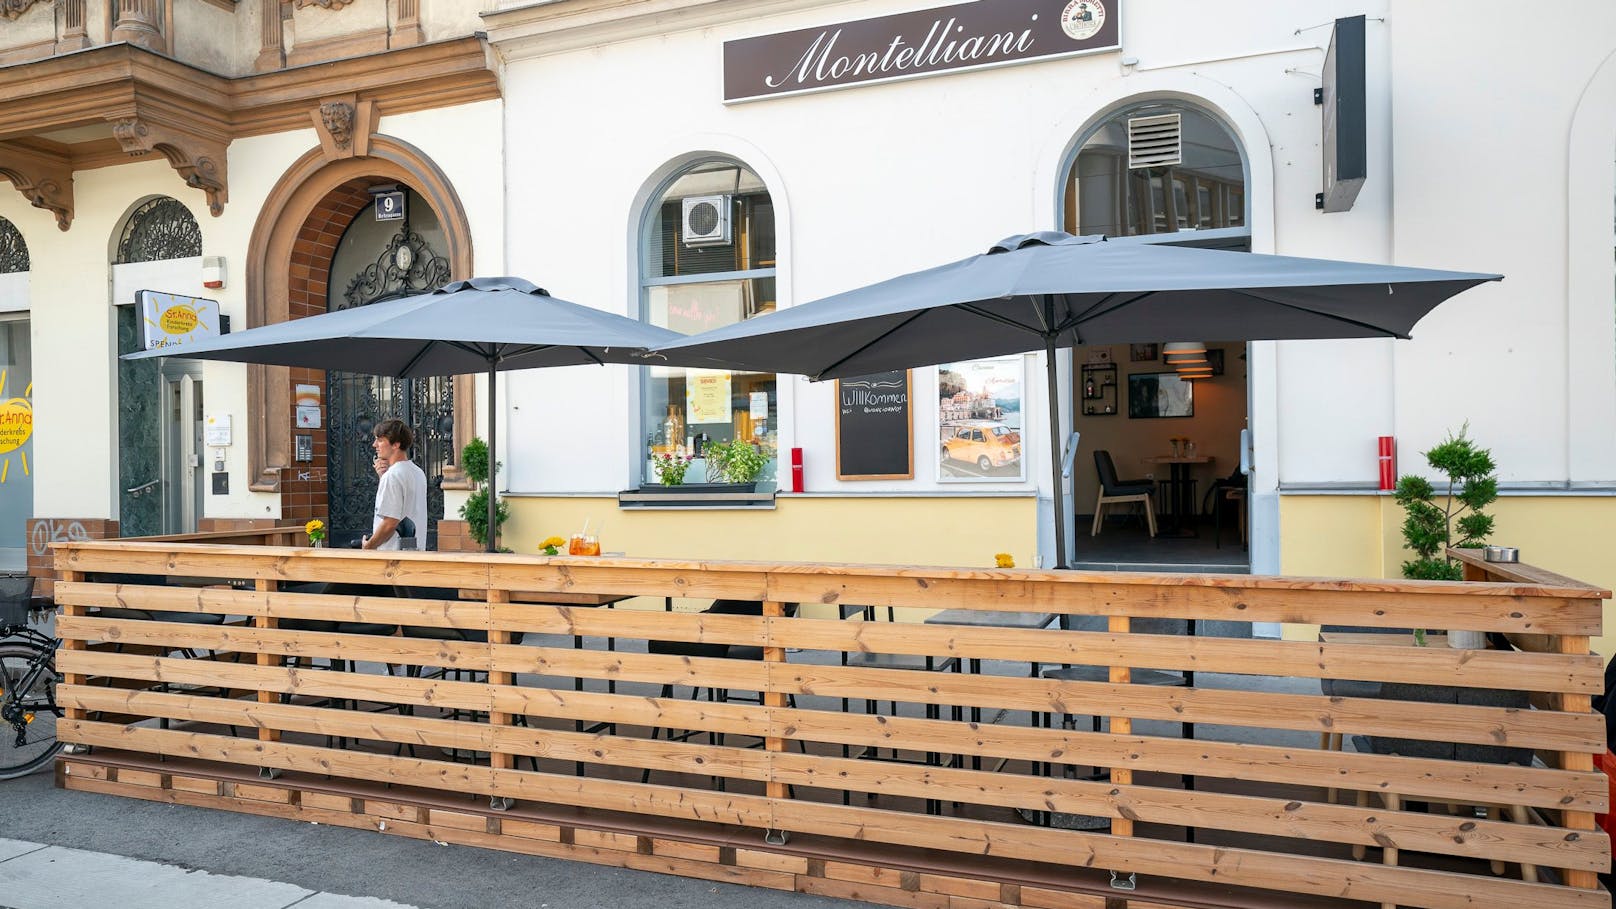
x=297 y=194
x=1213 y=98
x=1590 y=274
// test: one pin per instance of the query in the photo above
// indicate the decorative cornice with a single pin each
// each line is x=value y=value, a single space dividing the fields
x=190 y=116
x=555 y=26
x=11 y=9
x=44 y=179
x=199 y=159
x=323 y=4
x=110 y=81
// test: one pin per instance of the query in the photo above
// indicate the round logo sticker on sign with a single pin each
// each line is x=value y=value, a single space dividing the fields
x=178 y=319
x=1082 y=19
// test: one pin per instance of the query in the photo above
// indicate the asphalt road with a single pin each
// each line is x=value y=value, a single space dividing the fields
x=339 y=860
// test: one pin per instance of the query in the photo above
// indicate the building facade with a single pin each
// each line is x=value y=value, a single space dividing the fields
x=575 y=143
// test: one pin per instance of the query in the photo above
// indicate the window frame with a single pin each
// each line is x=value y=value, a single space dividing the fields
x=644 y=422
x=1222 y=190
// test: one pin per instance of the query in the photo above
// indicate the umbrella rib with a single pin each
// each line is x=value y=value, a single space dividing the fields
x=417 y=358
x=1096 y=311
x=975 y=310
x=871 y=343
x=1313 y=312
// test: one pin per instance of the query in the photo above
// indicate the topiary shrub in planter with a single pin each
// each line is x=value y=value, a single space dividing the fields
x=474 y=464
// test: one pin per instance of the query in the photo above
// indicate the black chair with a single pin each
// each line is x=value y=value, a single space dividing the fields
x=1224 y=492
x=1116 y=492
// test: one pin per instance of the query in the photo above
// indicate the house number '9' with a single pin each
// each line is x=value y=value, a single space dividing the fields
x=390 y=206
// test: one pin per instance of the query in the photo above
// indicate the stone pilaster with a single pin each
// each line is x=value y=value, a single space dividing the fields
x=271 y=37
x=140 y=22
x=74 y=34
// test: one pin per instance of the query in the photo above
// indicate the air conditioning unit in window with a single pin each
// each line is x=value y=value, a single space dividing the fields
x=706 y=220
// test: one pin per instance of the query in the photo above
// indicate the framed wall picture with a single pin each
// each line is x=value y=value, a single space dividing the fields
x=979 y=421
x=1159 y=394
x=1143 y=353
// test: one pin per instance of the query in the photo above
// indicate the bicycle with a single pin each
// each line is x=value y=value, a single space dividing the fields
x=28 y=710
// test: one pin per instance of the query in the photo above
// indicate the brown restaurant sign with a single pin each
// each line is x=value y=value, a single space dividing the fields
x=922 y=43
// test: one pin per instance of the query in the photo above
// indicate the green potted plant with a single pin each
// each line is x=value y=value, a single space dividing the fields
x=474 y=463
x=1430 y=526
x=737 y=463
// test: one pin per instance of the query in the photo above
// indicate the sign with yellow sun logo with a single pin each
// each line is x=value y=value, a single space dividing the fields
x=170 y=320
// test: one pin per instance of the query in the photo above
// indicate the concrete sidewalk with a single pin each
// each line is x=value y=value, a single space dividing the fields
x=38 y=876
x=63 y=842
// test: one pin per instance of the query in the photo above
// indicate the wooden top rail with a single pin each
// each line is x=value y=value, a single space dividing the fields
x=1523 y=608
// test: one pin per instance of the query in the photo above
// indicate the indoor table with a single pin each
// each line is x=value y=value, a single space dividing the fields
x=1183 y=516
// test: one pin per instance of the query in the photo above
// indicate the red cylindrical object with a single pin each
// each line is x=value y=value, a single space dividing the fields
x=1388 y=463
x=796 y=470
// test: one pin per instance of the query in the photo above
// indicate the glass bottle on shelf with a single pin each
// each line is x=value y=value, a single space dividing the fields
x=1088 y=387
x=673 y=429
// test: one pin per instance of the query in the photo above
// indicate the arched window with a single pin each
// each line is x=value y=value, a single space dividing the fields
x=162 y=228
x=1156 y=168
x=13 y=251
x=707 y=259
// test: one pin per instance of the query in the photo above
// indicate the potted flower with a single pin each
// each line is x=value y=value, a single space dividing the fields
x=670 y=468
x=316 y=531
x=552 y=545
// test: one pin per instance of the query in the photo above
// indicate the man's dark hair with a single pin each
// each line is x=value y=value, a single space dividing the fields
x=396 y=432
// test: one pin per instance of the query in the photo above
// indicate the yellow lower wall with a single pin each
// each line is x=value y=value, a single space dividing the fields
x=1361 y=536
x=962 y=532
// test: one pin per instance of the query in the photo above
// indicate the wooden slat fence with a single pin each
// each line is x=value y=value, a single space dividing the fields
x=794 y=760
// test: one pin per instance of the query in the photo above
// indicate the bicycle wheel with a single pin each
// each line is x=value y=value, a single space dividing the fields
x=28 y=709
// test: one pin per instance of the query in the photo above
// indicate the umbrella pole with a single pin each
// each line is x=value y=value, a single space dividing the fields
x=493 y=430
x=1057 y=491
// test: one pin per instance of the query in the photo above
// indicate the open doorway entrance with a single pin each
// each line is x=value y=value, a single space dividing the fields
x=1160 y=448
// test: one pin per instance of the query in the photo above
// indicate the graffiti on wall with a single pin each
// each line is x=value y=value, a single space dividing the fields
x=49 y=530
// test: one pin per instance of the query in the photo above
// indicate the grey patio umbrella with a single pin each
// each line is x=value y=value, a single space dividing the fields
x=479 y=325
x=1048 y=290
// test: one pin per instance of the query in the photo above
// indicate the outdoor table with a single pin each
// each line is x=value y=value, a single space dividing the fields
x=1183 y=496
x=975 y=618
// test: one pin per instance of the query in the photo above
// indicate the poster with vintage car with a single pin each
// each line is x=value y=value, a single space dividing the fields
x=979 y=420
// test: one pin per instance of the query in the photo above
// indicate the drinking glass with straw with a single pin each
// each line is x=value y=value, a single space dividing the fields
x=583 y=544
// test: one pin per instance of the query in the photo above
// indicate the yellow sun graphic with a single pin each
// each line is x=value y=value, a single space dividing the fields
x=16 y=426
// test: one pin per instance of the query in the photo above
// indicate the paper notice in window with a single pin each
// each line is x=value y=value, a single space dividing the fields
x=760 y=405
x=706 y=396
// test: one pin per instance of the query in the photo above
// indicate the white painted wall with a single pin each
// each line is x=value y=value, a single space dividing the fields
x=1483 y=181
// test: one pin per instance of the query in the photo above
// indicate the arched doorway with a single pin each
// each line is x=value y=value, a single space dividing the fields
x=16 y=400
x=379 y=260
x=1165 y=171
x=159 y=401
x=292 y=271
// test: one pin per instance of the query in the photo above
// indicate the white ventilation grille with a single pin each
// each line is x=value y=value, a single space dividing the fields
x=1154 y=141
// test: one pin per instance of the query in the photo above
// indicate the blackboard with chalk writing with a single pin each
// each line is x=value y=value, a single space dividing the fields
x=875 y=427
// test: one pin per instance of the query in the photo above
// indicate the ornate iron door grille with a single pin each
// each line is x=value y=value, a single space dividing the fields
x=359 y=402
x=160 y=229
x=13 y=251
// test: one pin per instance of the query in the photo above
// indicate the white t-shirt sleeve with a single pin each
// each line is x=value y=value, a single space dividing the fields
x=390 y=496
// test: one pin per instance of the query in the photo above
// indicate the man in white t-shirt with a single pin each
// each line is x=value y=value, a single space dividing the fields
x=402 y=491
